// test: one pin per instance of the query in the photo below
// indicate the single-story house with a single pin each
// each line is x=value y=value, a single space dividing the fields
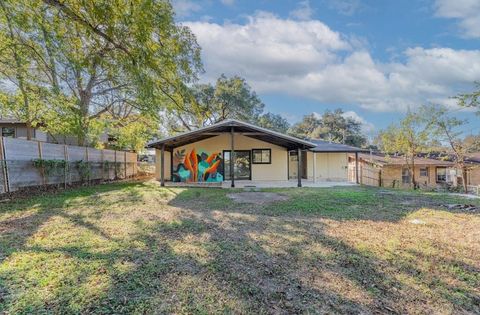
x=14 y=128
x=473 y=169
x=392 y=171
x=205 y=156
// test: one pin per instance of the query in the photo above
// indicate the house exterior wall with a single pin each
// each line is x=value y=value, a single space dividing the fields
x=329 y=166
x=473 y=176
x=211 y=147
x=168 y=169
x=21 y=131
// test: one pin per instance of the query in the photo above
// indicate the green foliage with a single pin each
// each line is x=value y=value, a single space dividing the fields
x=95 y=61
x=50 y=167
x=83 y=169
x=229 y=98
x=273 y=122
x=331 y=126
x=470 y=99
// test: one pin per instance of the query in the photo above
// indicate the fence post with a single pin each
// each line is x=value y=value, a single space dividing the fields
x=361 y=175
x=115 y=164
x=3 y=158
x=125 y=161
x=42 y=170
x=103 y=166
x=65 y=171
x=88 y=165
x=379 y=178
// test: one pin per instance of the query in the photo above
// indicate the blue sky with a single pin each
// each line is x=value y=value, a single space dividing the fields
x=374 y=59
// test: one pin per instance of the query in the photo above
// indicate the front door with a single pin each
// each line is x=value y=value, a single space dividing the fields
x=241 y=165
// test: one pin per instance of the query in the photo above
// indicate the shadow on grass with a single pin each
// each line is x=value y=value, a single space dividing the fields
x=212 y=259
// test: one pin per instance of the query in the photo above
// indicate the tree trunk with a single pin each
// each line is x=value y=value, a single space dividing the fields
x=464 y=178
x=414 y=182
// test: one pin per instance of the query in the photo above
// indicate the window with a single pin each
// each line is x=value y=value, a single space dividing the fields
x=8 y=132
x=441 y=174
x=406 y=176
x=262 y=156
x=423 y=172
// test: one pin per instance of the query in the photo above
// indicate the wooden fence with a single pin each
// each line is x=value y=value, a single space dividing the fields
x=26 y=163
x=367 y=175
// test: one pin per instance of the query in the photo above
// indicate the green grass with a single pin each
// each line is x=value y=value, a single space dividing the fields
x=139 y=248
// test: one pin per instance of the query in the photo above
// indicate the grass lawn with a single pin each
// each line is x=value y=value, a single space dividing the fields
x=138 y=248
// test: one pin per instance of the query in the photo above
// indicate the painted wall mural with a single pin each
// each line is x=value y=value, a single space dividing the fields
x=197 y=167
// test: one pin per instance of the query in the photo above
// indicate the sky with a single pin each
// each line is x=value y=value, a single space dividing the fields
x=375 y=59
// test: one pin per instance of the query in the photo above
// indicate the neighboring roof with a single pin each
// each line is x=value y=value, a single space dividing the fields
x=473 y=157
x=325 y=146
x=224 y=126
x=382 y=160
x=8 y=120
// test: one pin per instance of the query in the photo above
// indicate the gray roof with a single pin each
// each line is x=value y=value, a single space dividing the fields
x=325 y=146
x=224 y=126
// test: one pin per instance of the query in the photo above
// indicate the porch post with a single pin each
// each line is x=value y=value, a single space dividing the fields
x=299 y=166
x=356 y=168
x=314 y=167
x=232 y=157
x=162 y=166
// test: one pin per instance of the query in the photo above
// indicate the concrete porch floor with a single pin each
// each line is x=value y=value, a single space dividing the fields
x=282 y=184
x=261 y=184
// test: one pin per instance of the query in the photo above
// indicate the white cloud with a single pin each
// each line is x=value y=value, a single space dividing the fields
x=345 y=7
x=308 y=59
x=184 y=8
x=228 y=2
x=466 y=11
x=303 y=12
x=367 y=127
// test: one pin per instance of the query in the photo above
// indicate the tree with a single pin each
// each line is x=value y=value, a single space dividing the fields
x=472 y=143
x=409 y=138
x=97 y=56
x=331 y=126
x=448 y=129
x=273 y=122
x=229 y=98
x=470 y=99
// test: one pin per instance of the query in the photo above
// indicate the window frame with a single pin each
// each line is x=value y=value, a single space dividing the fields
x=445 y=175
x=261 y=150
x=14 y=132
x=423 y=169
x=409 y=176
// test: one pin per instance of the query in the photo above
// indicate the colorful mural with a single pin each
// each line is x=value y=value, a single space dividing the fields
x=193 y=167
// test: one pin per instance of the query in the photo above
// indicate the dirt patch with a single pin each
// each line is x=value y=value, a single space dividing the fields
x=256 y=197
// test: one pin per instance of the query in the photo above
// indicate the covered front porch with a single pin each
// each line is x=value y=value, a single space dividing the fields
x=227 y=153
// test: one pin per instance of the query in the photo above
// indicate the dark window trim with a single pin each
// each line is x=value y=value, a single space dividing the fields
x=436 y=174
x=249 y=164
x=270 y=154
x=426 y=171
x=14 y=131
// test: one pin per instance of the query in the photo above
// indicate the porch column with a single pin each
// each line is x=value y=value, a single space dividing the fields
x=356 y=168
x=314 y=167
x=299 y=166
x=232 y=157
x=162 y=166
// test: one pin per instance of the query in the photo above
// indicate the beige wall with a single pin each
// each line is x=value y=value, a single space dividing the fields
x=329 y=166
x=168 y=173
x=473 y=176
x=277 y=170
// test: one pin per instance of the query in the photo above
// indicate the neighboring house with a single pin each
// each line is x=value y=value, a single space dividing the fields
x=205 y=155
x=473 y=172
x=18 y=129
x=392 y=171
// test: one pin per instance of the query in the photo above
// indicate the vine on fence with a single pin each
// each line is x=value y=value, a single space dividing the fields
x=49 y=167
x=83 y=170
